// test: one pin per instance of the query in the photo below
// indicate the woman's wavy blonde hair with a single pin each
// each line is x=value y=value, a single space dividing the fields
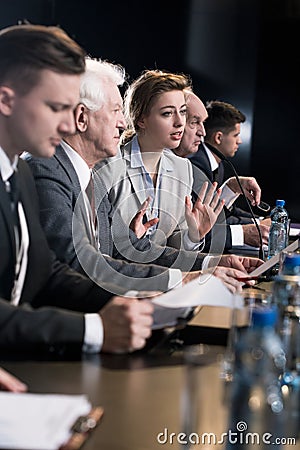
x=141 y=94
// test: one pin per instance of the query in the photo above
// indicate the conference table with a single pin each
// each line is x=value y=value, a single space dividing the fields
x=143 y=393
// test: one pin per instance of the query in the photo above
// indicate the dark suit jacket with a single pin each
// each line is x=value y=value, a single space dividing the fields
x=202 y=171
x=35 y=324
x=64 y=219
x=200 y=159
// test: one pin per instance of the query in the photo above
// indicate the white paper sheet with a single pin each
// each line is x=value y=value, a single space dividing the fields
x=38 y=421
x=205 y=290
x=294 y=231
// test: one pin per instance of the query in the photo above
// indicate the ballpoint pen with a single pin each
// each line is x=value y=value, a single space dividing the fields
x=249 y=278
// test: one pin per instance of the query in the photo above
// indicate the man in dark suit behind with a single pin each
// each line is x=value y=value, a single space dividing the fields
x=36 y=111
x=220 y=127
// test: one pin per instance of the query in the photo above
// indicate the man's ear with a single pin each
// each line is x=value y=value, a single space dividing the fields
x=81 y=117
x=218 y=137
x=7 y=100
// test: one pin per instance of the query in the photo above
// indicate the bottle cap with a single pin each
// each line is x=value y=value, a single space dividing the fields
x=264 y=316
x=280 y=203
x=292 y=260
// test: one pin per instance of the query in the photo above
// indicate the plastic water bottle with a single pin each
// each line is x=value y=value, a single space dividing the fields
x=286 y=295
x=291 y=264
x=256 y=409
x=279 y=231
x=278 y=236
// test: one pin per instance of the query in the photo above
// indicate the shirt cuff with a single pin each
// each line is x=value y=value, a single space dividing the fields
x=175 y=278
x=190 y=245
x=205 y=263
x=228 y=196
x=237 y=235
x=93 y=335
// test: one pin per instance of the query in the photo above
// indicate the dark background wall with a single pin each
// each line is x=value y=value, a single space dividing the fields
x=245 y=52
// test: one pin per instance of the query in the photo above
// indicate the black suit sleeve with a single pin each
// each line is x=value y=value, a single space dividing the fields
x=237 y=216
x=66 y=288
x=43 y=330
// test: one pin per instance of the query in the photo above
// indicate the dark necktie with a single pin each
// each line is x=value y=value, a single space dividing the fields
x=90 y=192
x=215 y=175
x=13 y=191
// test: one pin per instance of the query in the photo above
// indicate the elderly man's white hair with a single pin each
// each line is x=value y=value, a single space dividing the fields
x=93 y=82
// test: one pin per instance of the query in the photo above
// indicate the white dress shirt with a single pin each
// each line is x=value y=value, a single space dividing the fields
x=7 y=168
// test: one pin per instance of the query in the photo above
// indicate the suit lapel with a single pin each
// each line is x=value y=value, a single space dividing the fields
x=135 y=179
x=80 y=217
x=68 y=167
x=201 y=160
x=206 y=163
x=134 y=176
x=7 y=214
x=221 y=173
x=168 y=205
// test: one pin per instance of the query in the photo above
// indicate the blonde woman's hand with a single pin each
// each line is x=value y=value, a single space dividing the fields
x=202 y=216
x=137 y=225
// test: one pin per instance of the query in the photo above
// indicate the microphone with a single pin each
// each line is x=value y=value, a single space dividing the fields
x=223 y=158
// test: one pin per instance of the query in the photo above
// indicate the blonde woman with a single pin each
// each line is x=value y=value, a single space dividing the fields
x=155 y=180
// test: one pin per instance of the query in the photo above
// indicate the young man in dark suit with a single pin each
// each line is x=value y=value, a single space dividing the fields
x=40 y=69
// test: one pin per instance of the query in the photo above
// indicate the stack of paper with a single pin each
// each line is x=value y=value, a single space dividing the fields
x=294 y=229
x=207 y=290
x=38 y=422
